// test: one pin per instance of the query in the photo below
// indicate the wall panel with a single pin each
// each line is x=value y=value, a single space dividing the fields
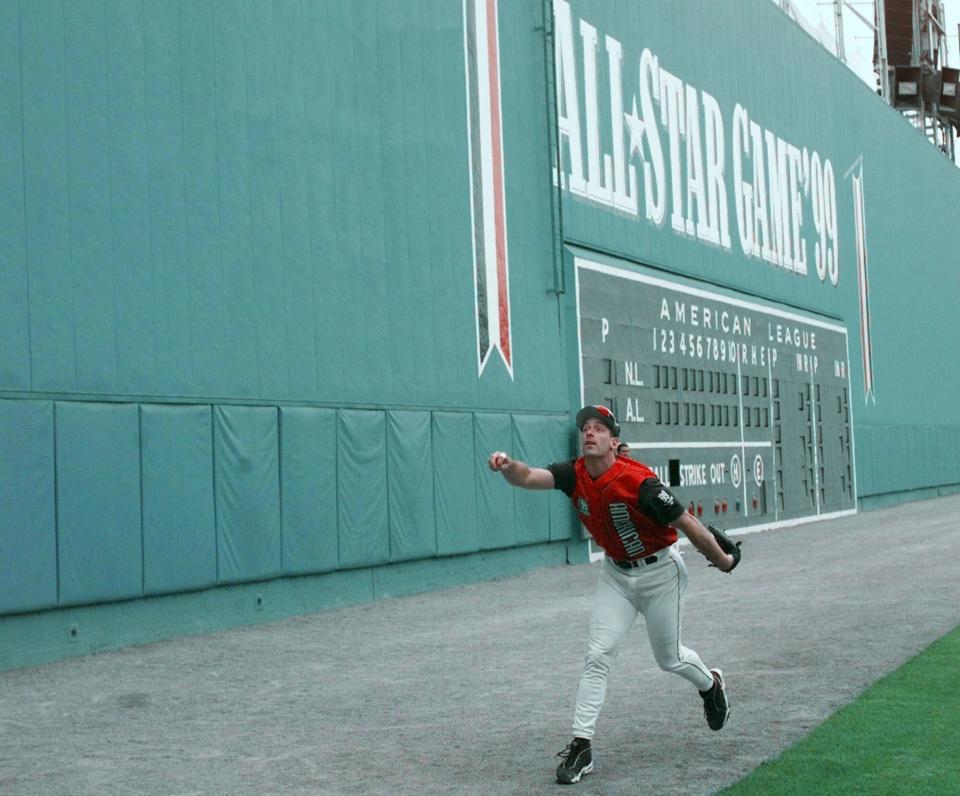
x=364 y=537
x=47 y=196
x=413 y=532
x=308 y=489
x=130 y=227
x=28 y=534
x=14 y=290
x=99 y=538
x=496 y=520
x=88 y=172
x=532 y=444
x=179 y=520
x=201 y=268
x=233 y=170
x=247 y=493
x=454 y=483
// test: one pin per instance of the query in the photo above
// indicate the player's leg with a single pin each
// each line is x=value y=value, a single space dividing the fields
x=662 y=607
x=611 y=617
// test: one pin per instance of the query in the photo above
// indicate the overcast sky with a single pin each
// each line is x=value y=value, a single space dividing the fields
x=818 y=19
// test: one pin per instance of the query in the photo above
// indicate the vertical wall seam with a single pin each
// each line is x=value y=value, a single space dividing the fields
x=66 y=124
x=216 y=149
x=283 y=258
x=386 y=471
x=251 y=267
x=553 y=149
x=183 y=179
x=433 y=476
x=336 y=477
x=150 y=225
x=143 y=554
x=310 y=217
x=213 y=476
x=56 y=499
x=113 y=262
x=476 y=474
x=23 y=172
x=280 y=481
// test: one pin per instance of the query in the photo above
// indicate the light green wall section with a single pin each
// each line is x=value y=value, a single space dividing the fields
x=264 y=200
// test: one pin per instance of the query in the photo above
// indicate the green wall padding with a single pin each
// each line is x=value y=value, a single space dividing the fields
x=183 y=219
x=308 y=489
x=930 y=450
x=179 y=523
x=413 y=532
x=167 y=202
x=496 y=519
x=194 y=224
x=14 y=292
x=99 y=540
x=532 y=443
x=560 y=434
x=28 y=536
x=362 y=488
x=247 y=493
x=136 y=337
x=88 y=173
x=454 y=467
x=213 y=334
x=46 y=190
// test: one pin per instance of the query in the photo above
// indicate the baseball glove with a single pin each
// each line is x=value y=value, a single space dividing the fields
x=727 y=545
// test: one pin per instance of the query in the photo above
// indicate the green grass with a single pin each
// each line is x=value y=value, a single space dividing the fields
x=902 y=736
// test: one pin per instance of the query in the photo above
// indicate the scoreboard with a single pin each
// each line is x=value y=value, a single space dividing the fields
x=742 y=407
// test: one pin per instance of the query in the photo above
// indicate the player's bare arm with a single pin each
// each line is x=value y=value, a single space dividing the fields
x=703 y=540
x=520 y=473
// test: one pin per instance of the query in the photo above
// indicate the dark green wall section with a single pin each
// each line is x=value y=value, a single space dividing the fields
x=749 y=53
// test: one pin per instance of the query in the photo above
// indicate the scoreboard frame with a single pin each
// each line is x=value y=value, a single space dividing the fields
x=745 y=368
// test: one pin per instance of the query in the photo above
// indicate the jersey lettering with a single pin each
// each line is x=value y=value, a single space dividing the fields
x=626 y=530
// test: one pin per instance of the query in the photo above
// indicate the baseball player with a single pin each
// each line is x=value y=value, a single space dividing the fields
x=635 y=519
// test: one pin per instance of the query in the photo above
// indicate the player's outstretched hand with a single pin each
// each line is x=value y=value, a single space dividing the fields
x=498 y=460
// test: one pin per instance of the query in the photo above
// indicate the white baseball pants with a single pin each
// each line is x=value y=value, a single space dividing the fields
x=658 y=592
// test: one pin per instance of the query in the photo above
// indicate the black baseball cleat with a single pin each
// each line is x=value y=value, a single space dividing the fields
x=716 y=708
x=578 y=760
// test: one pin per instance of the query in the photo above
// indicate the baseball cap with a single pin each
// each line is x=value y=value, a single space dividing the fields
x=601 y=413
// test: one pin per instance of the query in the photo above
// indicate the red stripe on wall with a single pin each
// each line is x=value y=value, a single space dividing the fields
x=496 y=146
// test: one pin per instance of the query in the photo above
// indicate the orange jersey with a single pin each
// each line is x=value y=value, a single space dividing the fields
x=627 y=510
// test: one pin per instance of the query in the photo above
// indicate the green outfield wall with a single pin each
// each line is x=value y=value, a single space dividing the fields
x=276 y=277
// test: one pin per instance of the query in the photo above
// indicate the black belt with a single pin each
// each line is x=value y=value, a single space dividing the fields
x=635 y=564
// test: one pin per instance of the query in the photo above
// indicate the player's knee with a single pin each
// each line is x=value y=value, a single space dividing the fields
x=668 y=661
x=600 y=655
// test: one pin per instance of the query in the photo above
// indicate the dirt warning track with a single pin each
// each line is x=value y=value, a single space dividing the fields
x=470 y=690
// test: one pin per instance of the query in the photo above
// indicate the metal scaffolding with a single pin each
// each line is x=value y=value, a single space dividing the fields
x=910 y=62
